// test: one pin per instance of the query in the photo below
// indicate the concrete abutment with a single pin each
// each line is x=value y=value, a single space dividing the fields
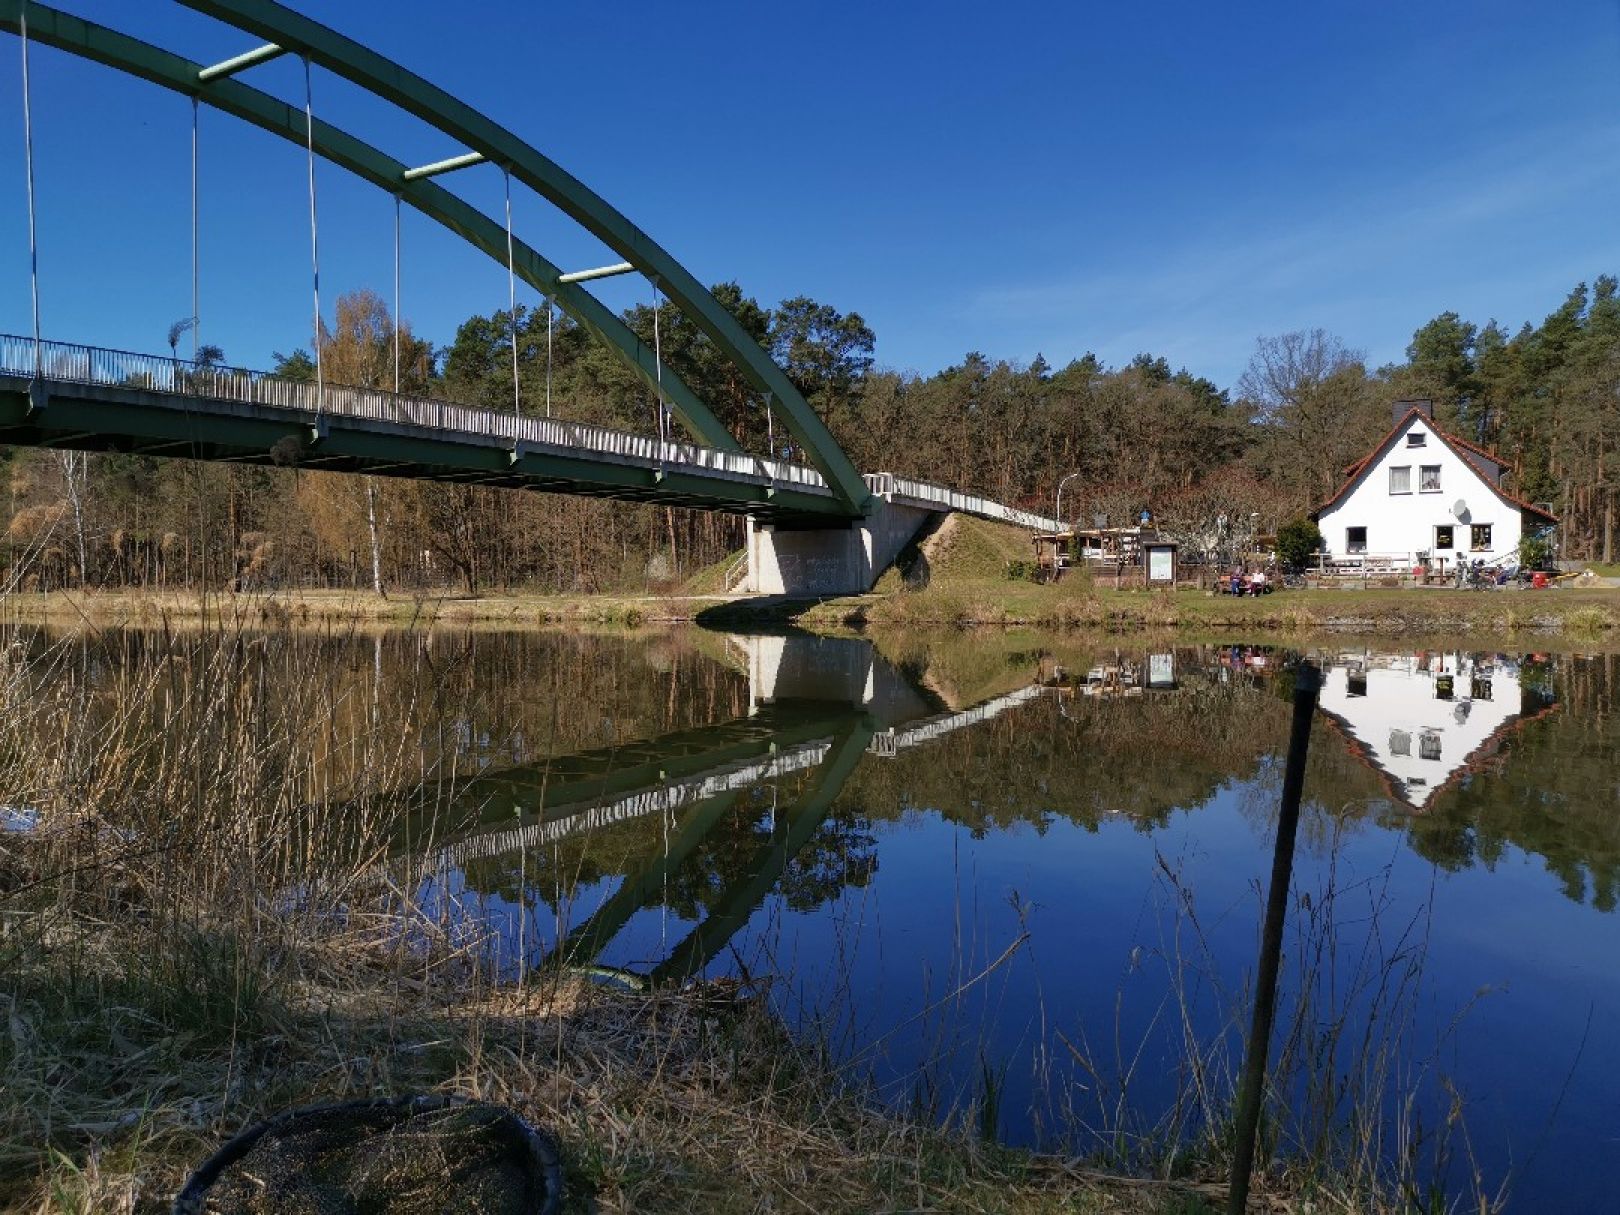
x=842 y=560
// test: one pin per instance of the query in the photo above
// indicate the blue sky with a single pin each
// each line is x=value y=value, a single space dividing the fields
x=1016 y=178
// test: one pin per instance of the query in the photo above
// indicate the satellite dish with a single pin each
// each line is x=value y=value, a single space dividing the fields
x=1459 y=508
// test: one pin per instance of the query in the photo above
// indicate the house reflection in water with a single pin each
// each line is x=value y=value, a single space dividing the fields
x=1423 y=721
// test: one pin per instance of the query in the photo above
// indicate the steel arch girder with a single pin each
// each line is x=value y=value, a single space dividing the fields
x=384 y=78
x=87 y=40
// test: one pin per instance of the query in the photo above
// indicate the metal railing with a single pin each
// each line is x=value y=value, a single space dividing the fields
x=1358 y=564
x=64 y=362
x=890 y=485
x=736 y=572
x=889 y=743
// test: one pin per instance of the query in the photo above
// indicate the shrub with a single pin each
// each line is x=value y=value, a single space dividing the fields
x=1535 y=552
x=1297 y=540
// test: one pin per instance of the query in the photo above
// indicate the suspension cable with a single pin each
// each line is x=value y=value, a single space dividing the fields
x=314 y=230
x=396 y=295
x=33 y=234
x=195 y=259
x=770 y=440
x=658 y=364
x=511 y=293
x=550 y=310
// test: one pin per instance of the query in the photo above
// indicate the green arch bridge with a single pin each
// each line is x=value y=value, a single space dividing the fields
x=814 y=528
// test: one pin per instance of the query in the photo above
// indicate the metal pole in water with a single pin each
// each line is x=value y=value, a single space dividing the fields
x=1307 y=682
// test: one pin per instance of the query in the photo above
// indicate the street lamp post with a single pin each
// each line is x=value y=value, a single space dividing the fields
x=1059 y=505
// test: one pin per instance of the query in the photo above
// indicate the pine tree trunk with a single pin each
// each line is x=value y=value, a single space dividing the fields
x=73 y=466
x=1608 y=527
x=376 y=543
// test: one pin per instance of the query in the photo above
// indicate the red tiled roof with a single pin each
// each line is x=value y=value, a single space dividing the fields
x=1458 y=446
x=1475 y=448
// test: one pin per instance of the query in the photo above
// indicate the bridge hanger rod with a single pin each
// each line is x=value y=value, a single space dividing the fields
x=585 y=276
x=229 y=67
x=33 y=232
x=444 y=166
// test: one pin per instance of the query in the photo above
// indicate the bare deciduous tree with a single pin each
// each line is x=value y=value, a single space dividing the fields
x=1286 y=369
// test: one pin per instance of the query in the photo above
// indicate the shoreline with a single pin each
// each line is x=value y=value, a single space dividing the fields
x=661 y=1100
x=1573 y=612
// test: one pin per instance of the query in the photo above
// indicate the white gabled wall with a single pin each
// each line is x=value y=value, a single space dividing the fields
x=1402 y=525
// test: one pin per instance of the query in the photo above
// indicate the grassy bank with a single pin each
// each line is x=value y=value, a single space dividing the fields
x=141 y=608
x=952 y=603
x=957 y=577
x=189 y=942
x=1097 y=609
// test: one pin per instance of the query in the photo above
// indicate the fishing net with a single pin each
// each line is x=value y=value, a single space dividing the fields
x=413 y=1156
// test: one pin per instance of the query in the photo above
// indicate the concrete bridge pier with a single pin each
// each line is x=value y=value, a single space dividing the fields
x=845 y=559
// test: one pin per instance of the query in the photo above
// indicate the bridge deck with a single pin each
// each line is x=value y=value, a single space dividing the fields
x=89 y=398
x=98 y=399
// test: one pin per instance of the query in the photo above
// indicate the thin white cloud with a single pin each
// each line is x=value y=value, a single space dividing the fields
x=1205 y=299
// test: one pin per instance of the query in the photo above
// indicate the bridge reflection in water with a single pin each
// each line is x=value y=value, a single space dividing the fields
x=698 y=827
x=817 y=706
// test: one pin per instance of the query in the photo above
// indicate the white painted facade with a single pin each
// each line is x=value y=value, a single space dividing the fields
x=1402 y=504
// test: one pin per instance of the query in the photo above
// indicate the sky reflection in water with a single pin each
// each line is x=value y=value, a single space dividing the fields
x=958 y=865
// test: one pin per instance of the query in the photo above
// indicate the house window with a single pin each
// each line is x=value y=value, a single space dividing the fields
x=1479 y=537
x=1400 y=742
x=1400 y=479
x=1428 y=745
x=1355 y=539
x=1416 y=438
x=1429 y=479
x=1443 y=536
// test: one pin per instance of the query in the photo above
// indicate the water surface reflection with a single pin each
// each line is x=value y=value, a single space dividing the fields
x=1033 y=865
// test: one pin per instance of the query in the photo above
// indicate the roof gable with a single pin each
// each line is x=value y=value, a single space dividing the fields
x=1469 y=453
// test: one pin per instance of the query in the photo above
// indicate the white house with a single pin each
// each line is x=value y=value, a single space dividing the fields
x=1422 y=494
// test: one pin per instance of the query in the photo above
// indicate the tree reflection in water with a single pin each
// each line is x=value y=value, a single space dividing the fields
x=660 y=805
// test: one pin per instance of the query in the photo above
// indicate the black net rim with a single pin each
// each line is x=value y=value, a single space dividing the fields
x=545 y=1164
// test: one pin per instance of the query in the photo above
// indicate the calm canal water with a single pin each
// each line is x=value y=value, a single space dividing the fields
x=1017 y=880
